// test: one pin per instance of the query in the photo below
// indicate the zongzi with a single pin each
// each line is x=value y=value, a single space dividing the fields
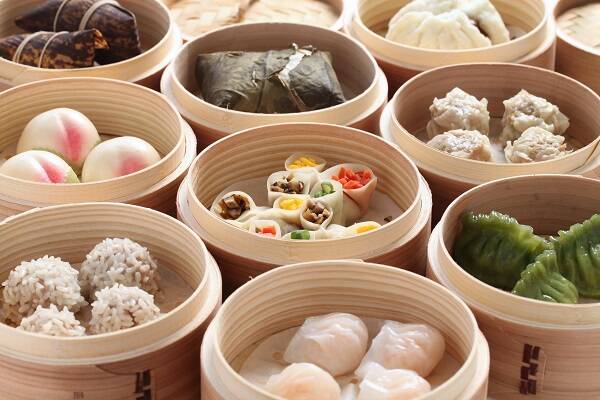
x=54 y=50
x=116 y=23
x=273 y=82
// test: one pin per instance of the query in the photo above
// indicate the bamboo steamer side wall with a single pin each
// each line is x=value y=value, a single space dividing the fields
x=574 y=59
x=158 y=360
x=537 y=348
x=363 y=82
x=408 y=114
x=159 y=36
x=257 y=153
x=283 y=298
x=117 y=109
x=400 y=63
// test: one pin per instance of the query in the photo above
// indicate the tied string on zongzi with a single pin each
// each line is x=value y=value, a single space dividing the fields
x=117 y=24
x=53 y=50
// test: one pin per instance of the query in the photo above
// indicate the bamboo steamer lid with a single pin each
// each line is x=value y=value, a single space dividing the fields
x=196 y=17
x=159 y=35
x=155 y=360
x=575 y=58
x=364 y=83
x=243 y=255
x=285 y=297
x=544 y=349
x=408 y=113
x=401 y=62
x=116 y=108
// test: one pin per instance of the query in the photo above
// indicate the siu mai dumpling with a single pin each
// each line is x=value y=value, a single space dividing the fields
x=458 y=110
x=525 y=110
x=536 y=144
x=416 y=347
x=447 y=31
x=334 y=342
x=304 y=381
x=471 y=145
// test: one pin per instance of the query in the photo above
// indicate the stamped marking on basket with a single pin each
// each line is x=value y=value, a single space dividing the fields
x=78 y=395
x=529 y=369
x=143 y=385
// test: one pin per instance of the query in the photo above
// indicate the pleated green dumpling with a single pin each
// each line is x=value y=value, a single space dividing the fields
x=495 y=248
x=578 y=256
x=542 y=280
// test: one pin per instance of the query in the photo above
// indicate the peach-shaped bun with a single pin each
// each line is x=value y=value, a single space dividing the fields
x=62 y=131
x=118 y=157
x=39 y=166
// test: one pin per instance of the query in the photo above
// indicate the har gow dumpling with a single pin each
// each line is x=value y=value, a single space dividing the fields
x=304 y=381
x=458 y=110
x=391 y=384
x=471 y=145
x=416 y=347
x=524 y=111
x=447 y=31
x=334 y=342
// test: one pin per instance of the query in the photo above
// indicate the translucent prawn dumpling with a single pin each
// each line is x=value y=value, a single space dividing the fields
x=486 y=22
x=391 y=384
x=525 y=110
x=416 y=347
x=334 y=342
x=471 y=145
x=447 y=31
x=458 y=110
x=304 y=381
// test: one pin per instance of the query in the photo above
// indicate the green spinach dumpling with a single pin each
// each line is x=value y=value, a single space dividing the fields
x=495 y=248
x=578 y=256
x=542 y=280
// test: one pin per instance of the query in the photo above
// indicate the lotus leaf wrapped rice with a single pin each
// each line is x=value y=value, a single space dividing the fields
x=542 y=280
x=578 y=256
x=495 y=248
x=117 y=24
x=60 y=50
x=273 y=82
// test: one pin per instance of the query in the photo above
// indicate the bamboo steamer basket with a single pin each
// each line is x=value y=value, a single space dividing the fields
x=242 y=255
x=574 y=58
x=285 y=297
x=355 y=67
x=196 y=17
x=537 y=348
x=448 y=177
x=157 y=360
x=116 y=108
x=159 y=35
x=401 y=62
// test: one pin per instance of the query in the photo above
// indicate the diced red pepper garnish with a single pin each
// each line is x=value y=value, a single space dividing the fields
x=269 y=230
x=352 y=180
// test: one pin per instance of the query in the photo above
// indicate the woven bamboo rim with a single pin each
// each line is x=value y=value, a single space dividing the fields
x=283 y=298
x=196 y=17
x=399 y=242
x=70 y=231
x=159 y=35
x=356 y=69
x=564 y=334
x=115 y=107
x=573 y=58
x=374 y=14
x=450 y=176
